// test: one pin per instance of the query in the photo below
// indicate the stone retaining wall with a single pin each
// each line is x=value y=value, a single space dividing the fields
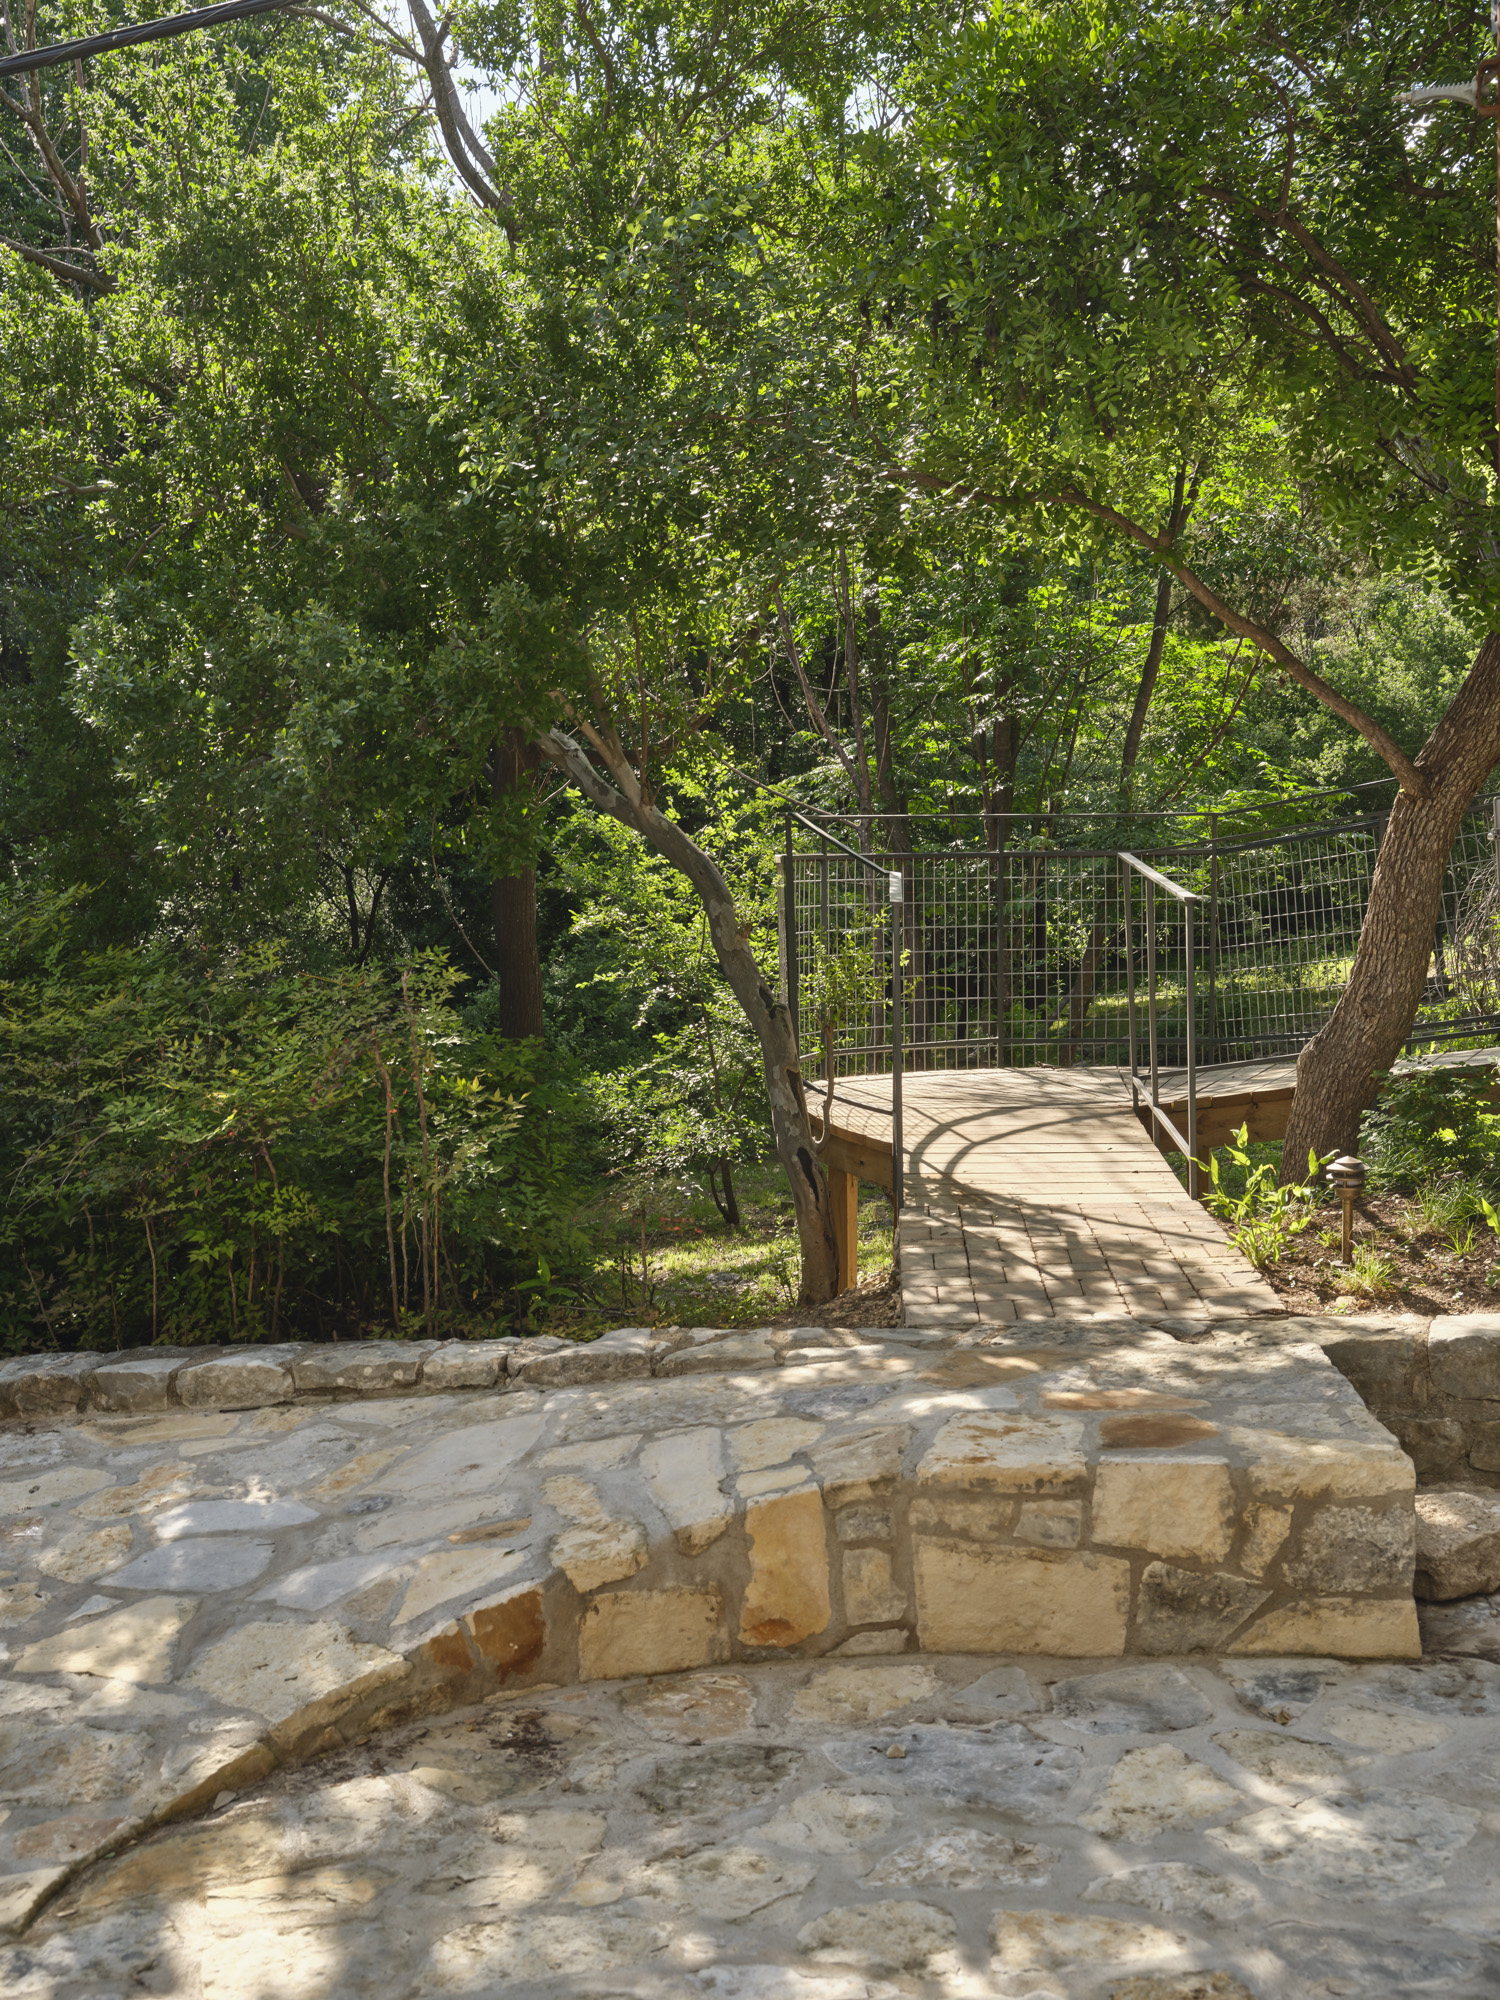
x=1434 y=1384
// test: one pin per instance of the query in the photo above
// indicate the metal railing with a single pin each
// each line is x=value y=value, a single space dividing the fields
x=1013 y=948
x=1187 y=898
x=790 y=958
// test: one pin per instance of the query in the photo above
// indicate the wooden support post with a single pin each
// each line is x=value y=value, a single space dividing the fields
x=843 y=1199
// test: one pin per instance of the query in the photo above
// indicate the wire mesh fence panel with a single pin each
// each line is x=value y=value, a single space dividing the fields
x=1016 y=955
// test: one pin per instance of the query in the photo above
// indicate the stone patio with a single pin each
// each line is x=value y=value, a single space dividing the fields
x=769 y=1665
x=950 y=1827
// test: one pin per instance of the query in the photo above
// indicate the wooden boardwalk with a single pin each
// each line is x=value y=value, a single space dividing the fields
x=1034 y=1193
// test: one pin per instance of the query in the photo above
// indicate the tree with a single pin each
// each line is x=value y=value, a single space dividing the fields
x=1129 y=241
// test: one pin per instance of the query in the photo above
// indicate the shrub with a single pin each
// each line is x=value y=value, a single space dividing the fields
x=1433 y=1124
x=197 y=1152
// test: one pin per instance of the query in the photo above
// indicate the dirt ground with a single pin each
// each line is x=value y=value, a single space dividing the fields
x=1427 y=1272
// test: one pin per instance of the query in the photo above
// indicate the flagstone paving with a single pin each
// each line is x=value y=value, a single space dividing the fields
x=948 y=1827
x=755 y=1664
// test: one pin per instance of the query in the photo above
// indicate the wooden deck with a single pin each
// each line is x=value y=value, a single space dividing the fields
x=1259 y=1094
x=1032 y=1193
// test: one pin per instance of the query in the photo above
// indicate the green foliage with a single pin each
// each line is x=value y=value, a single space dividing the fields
x=1369 y=1274
x=1431 y=1125
x=197 y=1150
x=1261 y=1212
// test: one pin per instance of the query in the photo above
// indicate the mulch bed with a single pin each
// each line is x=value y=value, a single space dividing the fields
x=1428 y=1275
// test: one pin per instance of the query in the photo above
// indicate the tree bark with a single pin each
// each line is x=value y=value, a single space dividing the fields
x=518 y=968
x=1136 y=727
x=1338 y=1071
x=620 y=796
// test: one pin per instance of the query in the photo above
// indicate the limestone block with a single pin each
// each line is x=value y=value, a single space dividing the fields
x=366 y=1365
x=135 y=1643
x=198 y=1562
x=731 y=1351
x=467 y=1364
x=1386 y=1364
x=599 y=1547
x=1436 y=1446
x=863 y=1524
x=705 y=1709
x=1157 y=1789
x=459 y=1463
x=1458 y=1545
x=1128 y=1701
x=1464 y=1356
x=1484 y=1446
x=860 y=1465
x=457 y=1573
x=787 y=1597
x=81 y=1556
x=614 y=1358
x=224 y=1517
x=288 y=1672
x=1470 y=1626
x=134 y=1385
x=1181 y=1889
x=770 y=1441
x=1400 y=1845
x=1184 y=1611
x=1050 y=1524
x=238 y=1381
x=978 y=1600
x=1028 y=1943
x=1006 y=1451
x=49 y=1489
x=871 y=1594
x=886 y=1937
x=1351 y=1628
x=683 y=1471
x=860 y=1694
x=1173 y=1507
x=1293 y=1761
x=1354 y=1549
x=965 y=1858
x=45 y=1385
x=511 y=1634
x=1266 y=1530
x=651 y=1632
x=830 y=1822
x=983 y=1517
x=71 y=1767
x=1284 y=1467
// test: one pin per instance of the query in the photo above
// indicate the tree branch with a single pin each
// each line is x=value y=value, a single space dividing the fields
x=1411 y=777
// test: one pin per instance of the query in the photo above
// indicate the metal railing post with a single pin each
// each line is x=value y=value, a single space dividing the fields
x=1151 y=986
x=1127 y=886
x=1192 y=1051
x=898 y=901
x=1187 y=897
x=789 y=899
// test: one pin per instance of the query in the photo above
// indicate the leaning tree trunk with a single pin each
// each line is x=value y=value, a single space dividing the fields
x=1338 y=1072
x=771 y=1019
x=518 y=969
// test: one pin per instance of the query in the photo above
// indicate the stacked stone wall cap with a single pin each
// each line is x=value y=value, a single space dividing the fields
x=362 y=1364
x=1464 y=1356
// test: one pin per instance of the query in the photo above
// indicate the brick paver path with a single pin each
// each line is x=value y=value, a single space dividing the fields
x=1036 y=1192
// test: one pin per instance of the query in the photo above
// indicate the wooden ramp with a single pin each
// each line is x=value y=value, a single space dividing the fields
x=1033 y=1193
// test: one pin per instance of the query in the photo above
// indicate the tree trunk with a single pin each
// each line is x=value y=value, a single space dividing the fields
x=1338 y=1071
x=518 y=969
x=772 y=1021
x=1136 y=727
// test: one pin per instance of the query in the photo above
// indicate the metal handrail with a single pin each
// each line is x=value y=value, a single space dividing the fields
x=1187 y=897
x=896 y=889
